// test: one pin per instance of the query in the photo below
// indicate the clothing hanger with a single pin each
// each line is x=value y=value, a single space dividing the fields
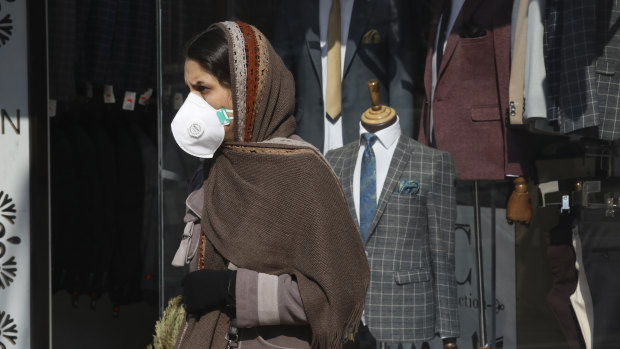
x=605 y=153
x=378 y=116
x=604 y=191
x=594 y=185
x=598 y=194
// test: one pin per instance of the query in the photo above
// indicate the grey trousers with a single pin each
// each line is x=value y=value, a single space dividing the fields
x=600 y=238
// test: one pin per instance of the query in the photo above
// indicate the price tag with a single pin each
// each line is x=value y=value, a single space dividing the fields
x=129 y=102
x=177 y=100
x=51 y=108
x=108 y=94
x=144 y=98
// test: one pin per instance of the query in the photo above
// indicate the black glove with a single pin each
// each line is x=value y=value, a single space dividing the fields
x=207 y=289
x=364 y=339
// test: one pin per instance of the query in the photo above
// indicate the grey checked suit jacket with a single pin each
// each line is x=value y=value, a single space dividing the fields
x=412 y=294
x=582 y=55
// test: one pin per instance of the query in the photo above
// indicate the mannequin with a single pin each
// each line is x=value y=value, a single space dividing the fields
x=378 y=116
x=404 y=190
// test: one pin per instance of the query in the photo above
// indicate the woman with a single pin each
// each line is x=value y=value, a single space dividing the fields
x=276 y=247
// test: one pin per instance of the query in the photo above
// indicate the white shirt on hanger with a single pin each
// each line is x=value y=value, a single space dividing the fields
x=384 y=150
x=333 y=129
x=535 y=84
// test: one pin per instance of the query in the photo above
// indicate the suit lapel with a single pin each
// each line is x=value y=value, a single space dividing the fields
x=398 y=163
x=454 y=38
x=350 y=157
x=428 y=73
x=362 y=11
x=313 y=41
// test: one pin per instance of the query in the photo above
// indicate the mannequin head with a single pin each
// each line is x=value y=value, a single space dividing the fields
x=378 y=116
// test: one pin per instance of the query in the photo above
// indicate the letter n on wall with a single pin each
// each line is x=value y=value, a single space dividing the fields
x=5 y=117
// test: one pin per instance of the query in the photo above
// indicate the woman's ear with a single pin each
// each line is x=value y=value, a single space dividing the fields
x=229 y=132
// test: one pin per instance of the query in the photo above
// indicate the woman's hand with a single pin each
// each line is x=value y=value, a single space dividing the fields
x=206 y=289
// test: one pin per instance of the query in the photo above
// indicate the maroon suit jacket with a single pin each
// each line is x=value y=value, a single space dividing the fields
x=471 y=95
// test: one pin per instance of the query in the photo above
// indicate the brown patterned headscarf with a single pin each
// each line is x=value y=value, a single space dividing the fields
x=263 y=89
x=277 y=208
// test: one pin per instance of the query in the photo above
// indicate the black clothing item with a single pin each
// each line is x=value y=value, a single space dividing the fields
x=364 y=339
x=63 y=206
x=206 y=289
x=83 y=241
x=561 y=257
x=601 y=258
x=199 y=175
x=105 y=150
x=126 y=261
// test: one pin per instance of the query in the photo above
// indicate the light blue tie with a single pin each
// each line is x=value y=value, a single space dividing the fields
x=368 y=185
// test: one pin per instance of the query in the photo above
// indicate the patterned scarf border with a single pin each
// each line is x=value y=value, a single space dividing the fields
x=238 y=74
x=249 y=61
x=252 y=60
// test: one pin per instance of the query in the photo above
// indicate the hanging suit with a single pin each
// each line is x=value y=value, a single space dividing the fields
x=471 y=94
x=410 y=247
x=379 y=46
x=601 y=260
x=582 y=51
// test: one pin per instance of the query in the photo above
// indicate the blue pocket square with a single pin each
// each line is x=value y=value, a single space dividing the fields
x=407 y=186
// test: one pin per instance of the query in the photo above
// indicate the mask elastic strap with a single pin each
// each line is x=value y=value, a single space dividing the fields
x=223 y=117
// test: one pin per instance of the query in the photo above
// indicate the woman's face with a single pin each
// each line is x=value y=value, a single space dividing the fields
x=204 y=84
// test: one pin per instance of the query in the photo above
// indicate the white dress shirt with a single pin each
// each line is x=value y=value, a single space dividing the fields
x=333 y=129
x=535 y=85
x=384 y=150
x=454 y=13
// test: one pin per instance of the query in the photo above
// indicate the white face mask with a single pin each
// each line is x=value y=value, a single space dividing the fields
x=198 y=128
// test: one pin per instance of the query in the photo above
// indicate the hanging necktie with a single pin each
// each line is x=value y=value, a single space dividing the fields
x=445 y=19
x=333 y=99
x=368 y=185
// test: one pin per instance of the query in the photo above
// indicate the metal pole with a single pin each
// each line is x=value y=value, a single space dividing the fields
x=481 y=299
x=161 y=299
